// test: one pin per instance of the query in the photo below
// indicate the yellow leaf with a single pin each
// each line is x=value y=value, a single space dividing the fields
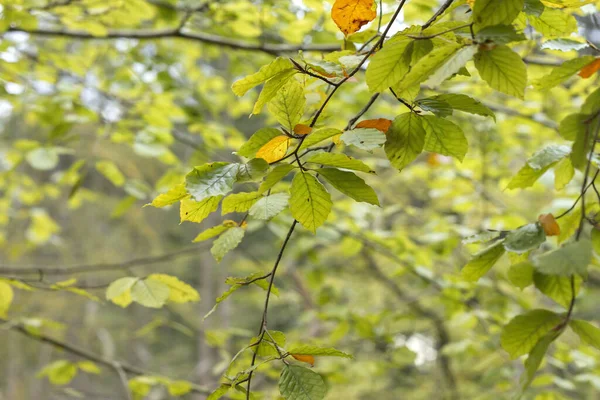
x=381 y=124
x=301 y=129
x=275 y=149
x=304 y=358
x=549 y=224
x=179 y=292
x=351 y=15
x=590 y=69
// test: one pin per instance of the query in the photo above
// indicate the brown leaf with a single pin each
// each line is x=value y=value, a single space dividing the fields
x=275 y=149
x=549 y=224
x=301 y=129
x=590 y=69
x=351 y=15
x=304 y=358
x=381 y=124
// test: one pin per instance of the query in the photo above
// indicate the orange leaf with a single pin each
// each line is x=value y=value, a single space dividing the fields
x=305 y=358
x=549 y=224
x=381 y=124
x=433 y=160
x=301 y=129
x=275 y=149
x=590 y=69
x=351 y=15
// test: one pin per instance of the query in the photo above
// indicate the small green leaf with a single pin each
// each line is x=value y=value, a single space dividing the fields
x=175 y=194
x=288 y=104
x=310 y=350
x=179 y=292
x=272 y=87
x=150 y=293
x=111 y=172
x=339 y=161
x=59 y=372
x=438 y=107
x=558 y=288
x=252 y=171
x=240 y=87
x=257 y=140
x=318 y=136
x=563 y=173
x=572 y=258
x=521 y=274
x=299 y=383
x=522 y=333
x=310 y=203
x=239 y=202
x=275 y=176
x=444 y=137
x=405 y=140
x=502 y=69
x=587 y=332
x=350 y=185
x=562 y=73
x=462 y=102
x=482 y=262
x=269 y=206
x=119 y=291
x=197 y=211
x=267 y=348
x=211 y=233
x=364 y=138
x=493 y=12
x=88 y=366
x=525 y=238
x=227 y=242
x=219 y=392
x=211 y=180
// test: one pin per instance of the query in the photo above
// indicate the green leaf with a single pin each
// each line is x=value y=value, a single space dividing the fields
x=111 y=172
x=561 y=73
x=444 y=137
x=503 y=70
x=179 y=292
x=526 y=177
x=43 y=158
x=288 y=105
x=178 y=388
x=426 y=66
x=364 y=138
x=569 y=224
x=174 y=194
x=499 y=34
x=534 y=7
x=219 y=392
x=310 y=350
x=521 y=274
x=211 y=180
x=350 y=185
x=572 y=126
x=482 y=262
x=525 y=238
x=462 y=102
x=299 y=383
x=271 y=88
x=88 y=366
x=6 y=298
x=592 y=103
x=534 y=359
x=310 y=203
x=587 y=332
x=275 y=176
x=596 y=240
x=318 y=136
x=548 y=156
x=240 y=87
x=572 y=258
x=150 y=293
x=239 y=202
x=405 y=140
x=197 y=211
x=558 y=288
x=257 y=140
x=554 y=23
x=211 y=232
x=522 y=333
x=563 y=173
x=388 y=65
x=252 y=171
x=452 y=65
x=438 y=107
x=564 y=45
x=227 y=242
x=493 y=12
x=339 y=161
x=119 y=291
x=59 y=372
x=269 y=206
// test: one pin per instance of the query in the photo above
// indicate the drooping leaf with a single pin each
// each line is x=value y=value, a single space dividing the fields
x=228 y=241
x=558 y=288
x=525 y=238
x=212 y=179
x=534 y=359
x=522 y=333
x=350 y=185
x=444 y=137
x=351 y=15
x=269 y=206
x=502 y=69
x=299 y=383
x=587 y=332
x=405 y=140
x=572 y=258
x=482 y=262
x=310 y=203
x=212 y=232
x=339 y=161
x=240 y=87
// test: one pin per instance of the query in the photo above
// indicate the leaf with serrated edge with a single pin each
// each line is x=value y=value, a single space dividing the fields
x=310 y=203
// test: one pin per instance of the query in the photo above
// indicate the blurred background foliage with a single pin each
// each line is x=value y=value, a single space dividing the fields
x=93 y=129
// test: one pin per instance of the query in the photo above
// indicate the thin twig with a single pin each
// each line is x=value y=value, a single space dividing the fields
x=439 y=12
